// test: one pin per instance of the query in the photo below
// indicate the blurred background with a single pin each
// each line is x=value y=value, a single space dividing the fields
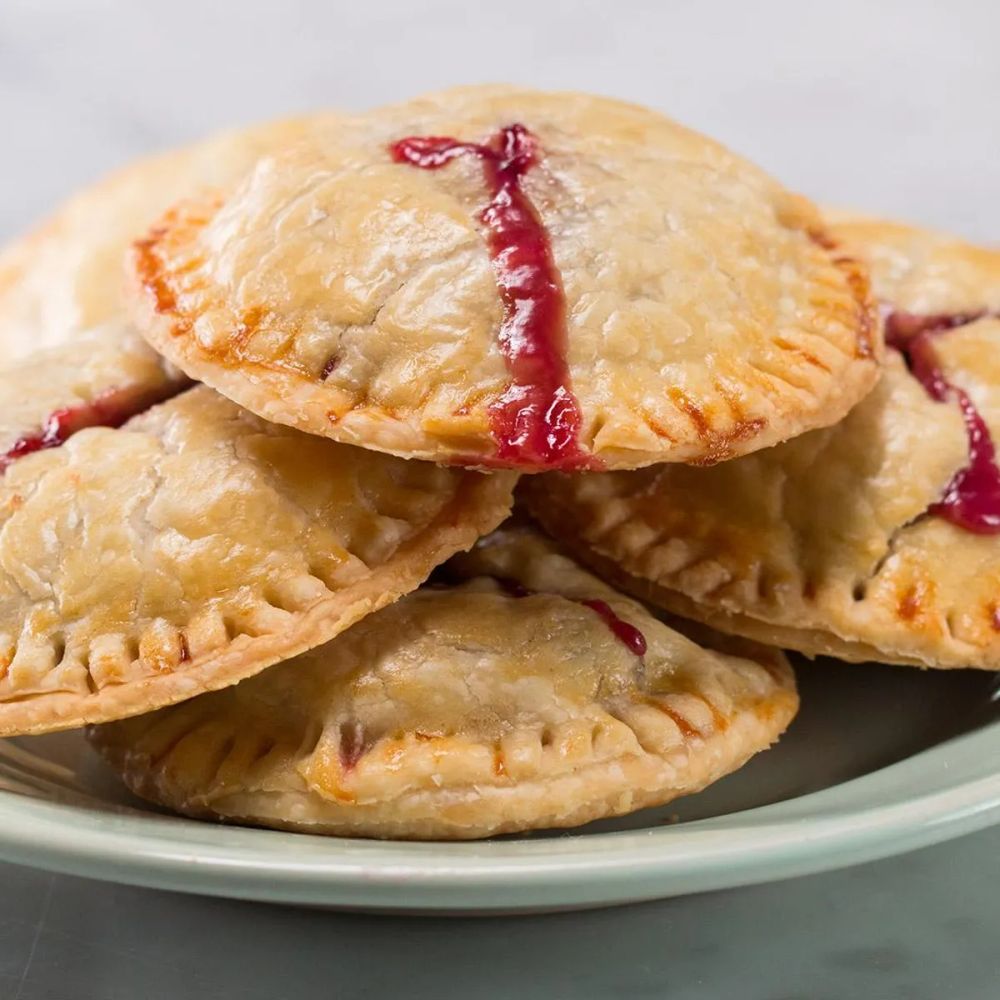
x=889 y=106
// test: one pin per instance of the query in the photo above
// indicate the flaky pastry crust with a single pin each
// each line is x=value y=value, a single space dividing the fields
x=66 y=342
x=199 y=544
x=464 y=711
x=825 y=544
x=708 y=314
x=66 y=276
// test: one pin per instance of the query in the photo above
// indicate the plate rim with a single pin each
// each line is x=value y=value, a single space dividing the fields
x=941 y=792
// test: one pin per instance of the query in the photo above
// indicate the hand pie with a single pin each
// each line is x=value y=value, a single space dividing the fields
x=527 y=694
x=197 y=545
x=502 y=277
x=875 y=539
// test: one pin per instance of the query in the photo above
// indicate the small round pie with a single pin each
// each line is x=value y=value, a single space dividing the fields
x=501 y=277
x=876 y=539
x=514 y=698
x=198 y=544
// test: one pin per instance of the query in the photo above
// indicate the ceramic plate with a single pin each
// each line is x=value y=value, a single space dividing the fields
x=880 y=760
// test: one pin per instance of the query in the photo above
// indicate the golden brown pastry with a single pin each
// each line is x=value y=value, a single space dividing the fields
x=199 y=544
x=527 y=694
x=875 y=539
x=69 y=357
x=502 y=277
x=102 y=377
x=66 y=277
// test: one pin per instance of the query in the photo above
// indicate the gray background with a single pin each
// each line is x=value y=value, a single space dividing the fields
x=890 y=107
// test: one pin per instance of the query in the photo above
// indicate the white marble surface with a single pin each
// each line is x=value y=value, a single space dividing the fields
x=888 y=106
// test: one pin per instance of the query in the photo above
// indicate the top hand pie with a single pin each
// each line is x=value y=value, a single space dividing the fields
x=493 y=276
x=875 y=539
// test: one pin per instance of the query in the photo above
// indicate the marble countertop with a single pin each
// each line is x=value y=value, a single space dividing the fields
x=888 y=108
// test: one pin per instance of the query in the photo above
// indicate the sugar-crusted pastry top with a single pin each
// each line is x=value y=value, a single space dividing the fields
x=198 y=544
x=839 y=541
x=640 y=292
x=496 y=703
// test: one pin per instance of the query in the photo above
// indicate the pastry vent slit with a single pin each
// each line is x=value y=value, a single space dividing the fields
x=860 y=590
x=111 y=408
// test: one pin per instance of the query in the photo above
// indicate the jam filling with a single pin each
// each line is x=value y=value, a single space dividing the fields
x=111 y=408
x=625 y=632
x=972 y=499
x=536 y=422
x=353 y=744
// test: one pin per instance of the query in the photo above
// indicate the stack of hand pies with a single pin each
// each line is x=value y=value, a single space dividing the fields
x=253 y=492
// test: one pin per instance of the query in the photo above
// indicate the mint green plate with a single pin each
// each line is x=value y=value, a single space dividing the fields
x=880 y=761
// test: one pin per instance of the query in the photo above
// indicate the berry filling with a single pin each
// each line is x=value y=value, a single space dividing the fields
x=536 y=422
x=972 y=499
x=111 y=408
x=631 y=637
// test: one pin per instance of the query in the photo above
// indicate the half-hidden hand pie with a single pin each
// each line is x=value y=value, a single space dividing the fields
x=196 y=545
x=875 y=539
x=500 y=277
